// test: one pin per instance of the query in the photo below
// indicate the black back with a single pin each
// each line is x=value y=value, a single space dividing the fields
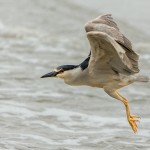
x=85 y=63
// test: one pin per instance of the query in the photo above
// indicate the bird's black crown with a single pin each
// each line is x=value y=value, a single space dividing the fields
x=67 y=67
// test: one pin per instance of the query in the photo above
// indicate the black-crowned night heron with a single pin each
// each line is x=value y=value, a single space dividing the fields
x=111 y=64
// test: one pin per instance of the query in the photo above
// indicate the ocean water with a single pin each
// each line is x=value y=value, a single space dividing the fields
x=45 y=114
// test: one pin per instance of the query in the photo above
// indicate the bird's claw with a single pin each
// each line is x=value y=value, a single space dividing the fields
x=132 y=121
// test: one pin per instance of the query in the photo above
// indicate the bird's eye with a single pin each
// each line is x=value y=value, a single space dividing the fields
x=61 y=71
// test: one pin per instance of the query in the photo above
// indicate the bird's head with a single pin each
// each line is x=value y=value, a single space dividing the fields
x=61 y=71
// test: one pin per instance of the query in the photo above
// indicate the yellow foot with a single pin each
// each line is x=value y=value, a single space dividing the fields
x=133 y=122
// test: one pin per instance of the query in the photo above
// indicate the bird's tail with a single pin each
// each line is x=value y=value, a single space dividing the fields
x=142 y=78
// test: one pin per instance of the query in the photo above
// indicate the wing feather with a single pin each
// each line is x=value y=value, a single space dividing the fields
x=107 y=54
x=106 y=24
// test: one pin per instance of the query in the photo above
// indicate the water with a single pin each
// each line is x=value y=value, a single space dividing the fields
x=45 y=114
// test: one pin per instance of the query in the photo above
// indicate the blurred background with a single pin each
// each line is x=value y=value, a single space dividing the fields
x=45 y=114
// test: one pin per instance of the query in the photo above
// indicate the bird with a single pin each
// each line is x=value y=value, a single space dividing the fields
x=111 y=64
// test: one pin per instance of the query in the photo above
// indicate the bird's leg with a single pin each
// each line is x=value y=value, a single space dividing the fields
x=131 y=119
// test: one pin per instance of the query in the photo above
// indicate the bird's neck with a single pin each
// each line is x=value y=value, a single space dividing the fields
x=74 y=77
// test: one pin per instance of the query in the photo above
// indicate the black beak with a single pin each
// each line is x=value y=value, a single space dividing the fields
x=51 y=74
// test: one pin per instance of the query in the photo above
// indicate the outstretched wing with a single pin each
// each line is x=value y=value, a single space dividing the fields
x=107 y=54
x=106 y=24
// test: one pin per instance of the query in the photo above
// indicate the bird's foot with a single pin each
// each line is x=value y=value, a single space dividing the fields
x=133 y=122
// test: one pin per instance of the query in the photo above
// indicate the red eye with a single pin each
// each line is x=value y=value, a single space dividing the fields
x=61 y=71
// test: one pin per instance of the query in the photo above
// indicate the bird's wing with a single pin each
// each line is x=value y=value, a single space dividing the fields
x=107 y=25
x=107 y=54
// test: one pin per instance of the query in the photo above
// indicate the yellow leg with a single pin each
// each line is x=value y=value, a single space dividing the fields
x=131 y=119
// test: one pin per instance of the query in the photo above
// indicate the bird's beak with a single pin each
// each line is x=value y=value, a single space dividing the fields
x=50 y=74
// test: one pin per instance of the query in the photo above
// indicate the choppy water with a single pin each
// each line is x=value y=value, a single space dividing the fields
x=45 y=114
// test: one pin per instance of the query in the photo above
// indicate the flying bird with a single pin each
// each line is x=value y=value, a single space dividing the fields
x=111 y=64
